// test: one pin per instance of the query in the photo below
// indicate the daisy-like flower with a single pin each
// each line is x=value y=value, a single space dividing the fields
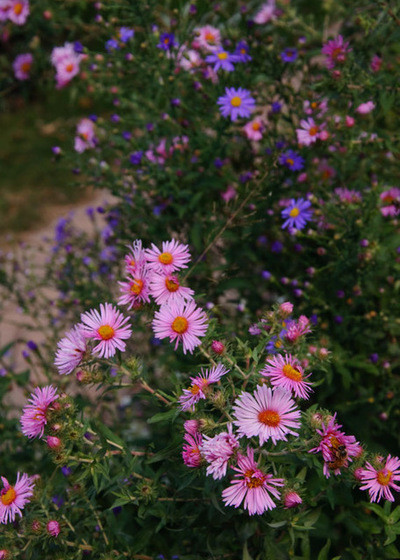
x=221 y=59
x=136 y=291
x=70 y=351
x=266 y=13
x=109 y=327
x=18 y=11
x=167 y=42
x=22 y=66
x=296 y=329
x=286 y=372
x=217 y=451
x=84 y=138
x=378 y=481
x=336 y=447
x=252 y=485
x=236 y=103
x=198 y=389
x=242 y=52
x=181 y=322
x=335 y=51
x=136 y=258
x=14 y=498
x=308 y=133
x=297 y=213
x=174 y=256
x=254 y=129
x=34 y=415
x=4 y=9
x=66 y=61
x=208 y=38
x=289 y=55
x=166 y=288
x=391 y=199
x=291 y=160
x=268 y=414
x=191 y=450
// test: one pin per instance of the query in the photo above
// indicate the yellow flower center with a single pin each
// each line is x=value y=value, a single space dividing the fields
x=294 y=212
x=18 y=8
x=194 y=389
x=137 y=286
x=384 y=477
x=84 y=135
x=256 y=126
x=106 y=332
x=269 y=418
x=291 y=373
x=69 y=67
x=278 y=344
x=25 y=66
x=8 y=497
x=236 y=101
x=253 y=482
x=222 y=55
x=172 y=283
x=180 y=325
x=289 y=161
x=313 y=131
x=165 y=258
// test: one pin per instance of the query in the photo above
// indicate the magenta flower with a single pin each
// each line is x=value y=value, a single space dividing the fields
x=14 y=498
x=22 y=66
x=191 y=450
x=294 y=330
x=236 y=103
x=308 y=133
x=174 y=256
x=268 y=414
x=252 y=485
x=71 y=351
x=136 y=291
x=217 y=451
x=181 y=322
x=335 y=51
x=109 y=327
x=297 y=213
x=378 y=481
x=66 y=62
x=166 y=288
x=254 y=129
x=199 y=386
x=18 y=11
x=286 y=372
x=291 y=499
x=34 y=415
x=53 y=528
x=365 y=108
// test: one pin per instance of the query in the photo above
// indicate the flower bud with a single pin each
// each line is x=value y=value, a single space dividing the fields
x=217 y=347
x=285 y=309
x=4 y=554
x=36 y=526
x=53 y=528
x=292 y=499
x=54 y=442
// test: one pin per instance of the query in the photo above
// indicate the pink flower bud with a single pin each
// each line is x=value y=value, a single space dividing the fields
x=53 y=528
x=36 y=526
x=54 y=442
x=365 y=108
x=324 y=135
x=350 y=121
x=47 y=14
x=4 y=554
x=217 y=347
x=358 y=473
x=191 y=426
x=285 y=309
x=292 y=499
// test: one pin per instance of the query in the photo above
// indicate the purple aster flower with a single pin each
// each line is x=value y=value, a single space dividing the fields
x=112 y=45
x=297 y=214
x=236 y=103
x=136 y=157
x=125 y=34
x=292 y=160
x=126 y=135
x=221 y=59
x=276 y=247
x=289 y=55
x=78 y=47
x=167 y=42
x=241 y=53
x=276 y=107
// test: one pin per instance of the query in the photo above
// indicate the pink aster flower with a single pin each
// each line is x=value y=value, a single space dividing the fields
x=365 y=108
x=252 y=485
x=295 y=330
x=198 y=389
x=84 y=138
x=160 y=153
x=109 y=327
x=174 y=256
x=266 y=13
x=217 y=451
x=136 y=258
x=391 y=199
x=136 y=291
x=236 y=103
x=335 y=51
x=254 y=129
x=378 y=481
x=285 y=371
x=309 y=133
x=71 y=350
x=268 y=414
x=336 y=447
x=22 y=66
x=4 y=10
x=188 y=59
x=166 y=288
x=18 y=11
x=34 y=415
x=66 y=62
x=191 y=450
x=181 y=322
x=208 y=38
x=14 y=498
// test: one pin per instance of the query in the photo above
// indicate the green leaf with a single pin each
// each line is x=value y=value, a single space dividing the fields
x=323 y=553
x=376 y=509
x=245 y=554
x=163 y=416
x=110 y=437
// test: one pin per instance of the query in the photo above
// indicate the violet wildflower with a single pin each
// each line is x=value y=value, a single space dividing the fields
x=221 y=59
x=335 y=51
x=297 y=213
x=236 y=103
x=291 y=160
x=289 y=55
x=167 y=42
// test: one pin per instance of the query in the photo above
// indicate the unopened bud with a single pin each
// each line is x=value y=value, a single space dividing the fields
x=53 y=528
x=292 y=499
x=285 y=309
x=54 y=442
x=217 y=347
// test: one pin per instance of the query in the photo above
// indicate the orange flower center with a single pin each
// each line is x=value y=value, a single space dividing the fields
x=180 y=325
x=256 y=126
x=294 y=212
x=106 y=332
x=236 y=101
x=8 y=497
x=314 y=105
x=253 y=482
x=172 y=283
x=222 y=55
x=69 y=67
x=384 y=477
x=84 y=135
x=210 y=37
x=289 y=161
x=165 y=258
x=18 y=8
x=336 y=52
x=291 y=373
x=194 y=389
x=313 y=131
x=269 y=418
x=25 y=66
x=137 y=286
